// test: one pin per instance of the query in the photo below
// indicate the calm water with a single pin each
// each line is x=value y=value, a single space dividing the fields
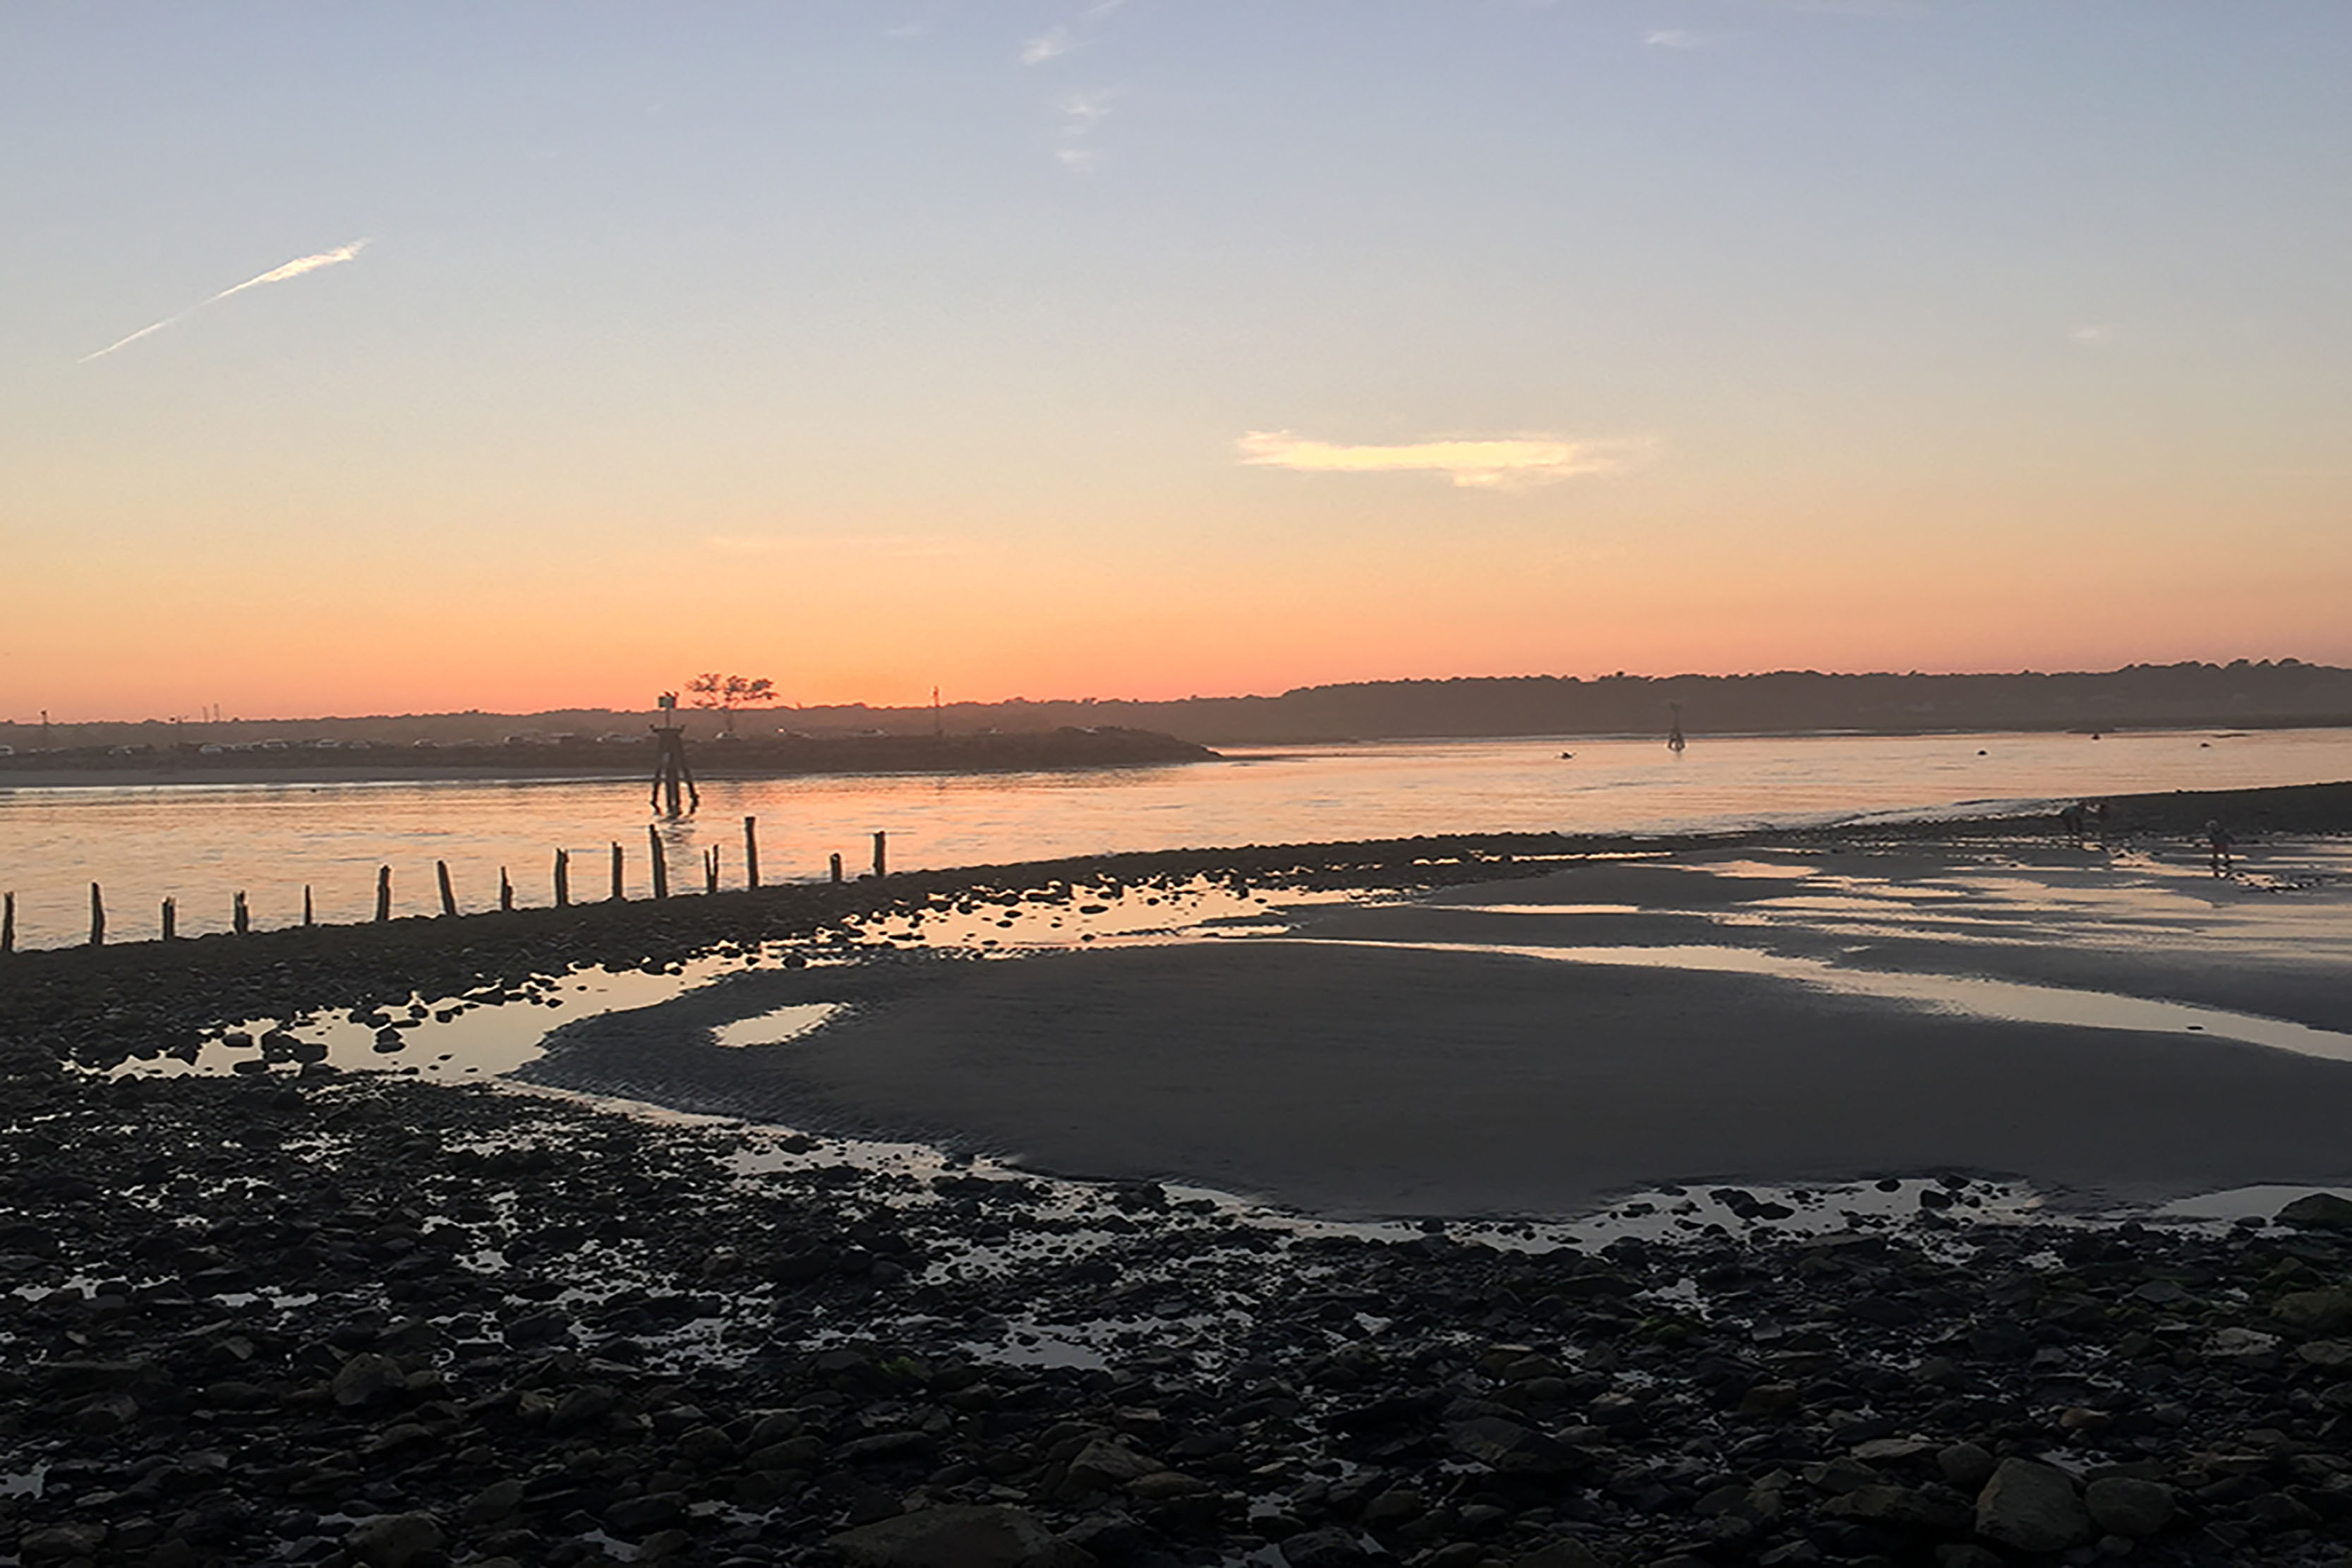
x=203 y=843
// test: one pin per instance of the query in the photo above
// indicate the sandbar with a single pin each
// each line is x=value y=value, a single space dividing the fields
x=1375 y=1061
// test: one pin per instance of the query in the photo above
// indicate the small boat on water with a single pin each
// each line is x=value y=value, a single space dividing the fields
x=1675 y=741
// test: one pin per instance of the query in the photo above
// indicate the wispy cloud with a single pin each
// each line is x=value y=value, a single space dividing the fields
x=1063 y=37
x=1081 y=114
x=2092 y=335
x=1682 y=38
x=1050 y=44
x=294 y=268
x=1513 y=462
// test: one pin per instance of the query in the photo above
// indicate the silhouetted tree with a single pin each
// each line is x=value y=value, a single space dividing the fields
x=726 y=693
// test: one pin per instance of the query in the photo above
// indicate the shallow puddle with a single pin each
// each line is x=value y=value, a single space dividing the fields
x=777 y=1027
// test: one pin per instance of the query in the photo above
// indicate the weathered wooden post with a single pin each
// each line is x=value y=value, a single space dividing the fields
x=881 y=864
x=448 y=894
x=562 y=879
x=837 y=868
x=661 y=861
x=751 y=851
x=383 y=892
x=240 y=919
x=7 y=922
x=171 y=919
x=308 y=919
x=710 y=869
x=670 y=766
x=618 y=893
x=506 y=891
x=96 y=917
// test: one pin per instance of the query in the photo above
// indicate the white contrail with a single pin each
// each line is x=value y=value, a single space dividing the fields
x=294 y=268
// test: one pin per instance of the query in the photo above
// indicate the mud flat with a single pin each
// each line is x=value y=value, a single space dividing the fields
x=2109 y=1026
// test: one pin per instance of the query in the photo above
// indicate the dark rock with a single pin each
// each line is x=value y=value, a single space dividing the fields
x=705 y=1446
x=2032 y=1507
x=2318 y=1211
x=61 y=1541
x=1559 y=1553
x=1966 y=1466
x=1903 y=1507
x=2324 y=1311
x=1101 y=1465
x=1968 y=1554
x=958 y=1537
x=395 y=1540
x=494 y=1502
x=1331 y=1547
x=631 y=1518
x=1507 y=1447
x=368 y=1379
x=583 y=1407
x=2135 y=1509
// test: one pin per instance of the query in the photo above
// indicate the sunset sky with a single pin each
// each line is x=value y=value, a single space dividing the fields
x=526 y=355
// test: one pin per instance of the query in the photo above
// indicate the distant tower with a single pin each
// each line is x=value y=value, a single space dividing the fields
x=670 y=769
x=1675 y=741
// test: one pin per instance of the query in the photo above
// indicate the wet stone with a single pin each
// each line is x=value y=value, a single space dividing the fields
x=2032 y=1507
x=395 y=1540
x=2121 y=1505
x=958 y=1537
x=2318 y=1211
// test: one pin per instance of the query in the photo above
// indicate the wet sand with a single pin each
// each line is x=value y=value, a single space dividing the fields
x=1376 y=1061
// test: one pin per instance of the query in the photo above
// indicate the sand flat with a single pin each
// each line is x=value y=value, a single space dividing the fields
x=1374 y=1060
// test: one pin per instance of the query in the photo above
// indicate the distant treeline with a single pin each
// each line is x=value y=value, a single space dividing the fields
x=2263 y=694
x=753 y=756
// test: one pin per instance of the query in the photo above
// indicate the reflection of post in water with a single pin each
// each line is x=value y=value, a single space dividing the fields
x=1675 y=741
x=670 y=769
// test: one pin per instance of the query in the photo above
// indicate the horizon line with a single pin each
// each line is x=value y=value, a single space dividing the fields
x=1016 y=701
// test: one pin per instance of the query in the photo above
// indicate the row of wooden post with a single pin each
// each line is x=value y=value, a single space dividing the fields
x=241 y=917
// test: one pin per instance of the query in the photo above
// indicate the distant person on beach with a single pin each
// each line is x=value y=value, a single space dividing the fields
x=2071 y=820
x=2219 y=841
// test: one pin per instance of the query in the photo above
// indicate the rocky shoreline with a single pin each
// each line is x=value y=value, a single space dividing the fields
x=302 y=1316
x=342 y=1319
